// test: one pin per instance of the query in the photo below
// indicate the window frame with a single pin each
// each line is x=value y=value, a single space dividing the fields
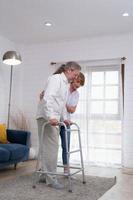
x=104 y=69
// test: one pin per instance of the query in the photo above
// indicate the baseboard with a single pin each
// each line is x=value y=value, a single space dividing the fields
x=126 y=170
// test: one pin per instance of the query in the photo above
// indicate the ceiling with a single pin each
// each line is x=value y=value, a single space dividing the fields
x=22 y=21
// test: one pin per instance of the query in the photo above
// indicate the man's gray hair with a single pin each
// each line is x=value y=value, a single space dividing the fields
x=69 y=65
x=72 y=65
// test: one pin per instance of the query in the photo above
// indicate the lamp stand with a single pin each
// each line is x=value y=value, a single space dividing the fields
x=10 y=92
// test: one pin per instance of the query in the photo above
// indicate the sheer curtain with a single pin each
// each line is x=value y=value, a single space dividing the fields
x=99 y=113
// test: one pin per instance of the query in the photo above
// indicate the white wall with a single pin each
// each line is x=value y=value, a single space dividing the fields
x=36 y=68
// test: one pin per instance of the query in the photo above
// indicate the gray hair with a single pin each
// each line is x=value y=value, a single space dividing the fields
x=69 y=65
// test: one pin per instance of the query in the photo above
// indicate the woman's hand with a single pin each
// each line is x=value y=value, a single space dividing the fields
x=67 y=122
x=71 y=109
x=41 y=95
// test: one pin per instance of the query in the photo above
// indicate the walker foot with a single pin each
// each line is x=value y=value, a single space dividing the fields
x=34 y=186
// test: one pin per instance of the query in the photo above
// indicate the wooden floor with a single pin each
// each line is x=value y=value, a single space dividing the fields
x=22 y=168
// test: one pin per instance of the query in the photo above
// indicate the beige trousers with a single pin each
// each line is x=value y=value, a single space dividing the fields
x=49 y=148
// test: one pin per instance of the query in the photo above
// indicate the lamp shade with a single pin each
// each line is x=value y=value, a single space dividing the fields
x=12 y=58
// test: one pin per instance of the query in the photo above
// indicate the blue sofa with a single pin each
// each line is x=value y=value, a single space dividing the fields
x=16 y=150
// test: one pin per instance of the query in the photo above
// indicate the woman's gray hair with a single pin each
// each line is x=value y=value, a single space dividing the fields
x=69 y=65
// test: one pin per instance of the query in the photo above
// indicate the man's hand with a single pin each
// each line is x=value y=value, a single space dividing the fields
x=67 y=122
x=54 y=122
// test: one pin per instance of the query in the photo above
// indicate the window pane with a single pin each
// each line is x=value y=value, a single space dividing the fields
x=97 y=107
x=104 y=126
x=82 y=93
x=105 y=141
x=113 y=156
x=97 y=77
x=111 y=92
x=80 y=109
x=113 y=141
x=111 y=107
x=113 y=126
x=103 y=156
x=111 y=77
x=97 y=92
x=97 y=140
x=96 y=126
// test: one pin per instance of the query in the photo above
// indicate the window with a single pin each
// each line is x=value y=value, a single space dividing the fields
x=99 y=116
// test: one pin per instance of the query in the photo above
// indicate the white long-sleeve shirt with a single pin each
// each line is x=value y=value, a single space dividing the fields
x=72 y=100
x=53 y=104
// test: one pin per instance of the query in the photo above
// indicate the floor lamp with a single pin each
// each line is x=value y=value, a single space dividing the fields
x=11 y=58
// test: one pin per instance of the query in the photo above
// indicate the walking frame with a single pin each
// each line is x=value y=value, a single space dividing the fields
x=70 y=174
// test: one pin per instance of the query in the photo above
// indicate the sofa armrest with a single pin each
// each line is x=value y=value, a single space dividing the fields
x=18 y=136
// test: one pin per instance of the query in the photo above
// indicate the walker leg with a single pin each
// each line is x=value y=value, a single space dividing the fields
x=69 y=184
x=34 y=180
x=83 y=176
x=81 y=157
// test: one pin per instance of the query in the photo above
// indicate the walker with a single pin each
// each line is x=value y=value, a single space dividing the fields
x=39 y=169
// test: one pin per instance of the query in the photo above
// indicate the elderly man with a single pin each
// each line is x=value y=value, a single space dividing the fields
x=51 y=109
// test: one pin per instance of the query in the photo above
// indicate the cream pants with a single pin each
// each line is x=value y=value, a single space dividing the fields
x=49 y=148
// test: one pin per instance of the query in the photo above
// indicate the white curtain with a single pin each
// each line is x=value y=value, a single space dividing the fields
x=99 y=114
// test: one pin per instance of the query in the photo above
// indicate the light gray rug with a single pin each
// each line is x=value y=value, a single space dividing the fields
x=21 y=189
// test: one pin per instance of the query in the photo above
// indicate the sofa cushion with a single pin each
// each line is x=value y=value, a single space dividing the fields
x=17 y=136
x=3 y=135
x=17 y=151
x=4 y=154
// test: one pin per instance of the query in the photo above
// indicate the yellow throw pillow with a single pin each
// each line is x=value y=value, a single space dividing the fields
x=3 y=135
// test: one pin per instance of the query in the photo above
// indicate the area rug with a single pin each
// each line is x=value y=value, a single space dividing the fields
x=20 y=188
